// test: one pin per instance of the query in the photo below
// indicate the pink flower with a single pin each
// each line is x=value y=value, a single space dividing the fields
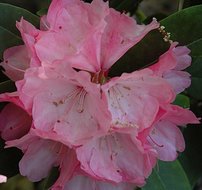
x=102 y=133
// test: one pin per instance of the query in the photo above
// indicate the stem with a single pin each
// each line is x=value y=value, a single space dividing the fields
x=180 y=6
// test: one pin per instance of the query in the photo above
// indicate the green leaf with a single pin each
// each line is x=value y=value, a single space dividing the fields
x=182 y=100
x=9 y=159
x=169 y=175
x=141 y=55
x=9 y=14
x=185 y=26
x=196 y=47
x=42 y=12
x=7 y=86
x=192 y=156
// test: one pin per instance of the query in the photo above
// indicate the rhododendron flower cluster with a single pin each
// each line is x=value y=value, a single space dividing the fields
x=102 y=133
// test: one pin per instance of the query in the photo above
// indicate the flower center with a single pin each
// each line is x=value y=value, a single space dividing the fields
x=98 y=78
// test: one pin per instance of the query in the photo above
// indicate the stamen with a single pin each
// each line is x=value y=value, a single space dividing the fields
x=155 y=142
x=166 y=35
x=81 y=97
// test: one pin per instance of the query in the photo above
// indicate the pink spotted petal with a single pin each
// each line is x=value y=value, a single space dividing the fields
x=63 y=101
x=14 y=122
x=117 y=158
x=133 y=99
x=16 y=61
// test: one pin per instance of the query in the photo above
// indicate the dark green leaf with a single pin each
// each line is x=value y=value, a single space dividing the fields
x=42 y=12
x=195 y=90
x=185 y=26
x=168 y=175
x=128 y=6
x=9 y=14
x=7 y=86
x=192 y=156
x=196 y=47
x=9 y=159
x=7 y=40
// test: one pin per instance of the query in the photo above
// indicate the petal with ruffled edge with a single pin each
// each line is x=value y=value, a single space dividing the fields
x=166 y=137
x=170 y=65
x=117 y=158
x=36 y=152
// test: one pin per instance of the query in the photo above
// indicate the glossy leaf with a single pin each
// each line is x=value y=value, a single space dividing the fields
x=182 y=100
x=196 y=47
x=167 y=176
x=185 y=26
x=195 y=90
x=9 y=14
